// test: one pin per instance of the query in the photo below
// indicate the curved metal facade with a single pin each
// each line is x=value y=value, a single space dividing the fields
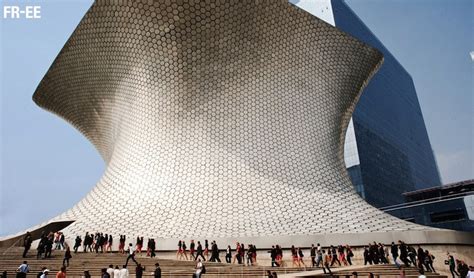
x=215 y=119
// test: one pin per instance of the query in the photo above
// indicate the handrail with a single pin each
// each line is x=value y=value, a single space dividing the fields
x=13 y=245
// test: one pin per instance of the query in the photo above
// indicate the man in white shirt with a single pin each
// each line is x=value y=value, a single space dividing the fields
x=23 y=269
x=110 y=271
x=117 y=272
x=470 y=274
x=124 y=272
x=45 y=273
x=131 y=254
x=199 y=267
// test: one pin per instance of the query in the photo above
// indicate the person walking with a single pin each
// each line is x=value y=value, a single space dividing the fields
x=254 y=254
x=237 y=253
x=148 y=249
x=206 y=249
x=412 y=255
x=242 y=253
x=199 y=251
x=110 y=241
x=157 y=272
x=312 y=253
x=319 y=254
x=86 y=242
x=62 y=239
x=273 y=256
x=373 y=253
x=301 y=257
x=139 y=245
x=334 y=256
x=192 y=249
x=394 y=251
x=48 y=246
x=215 y=252
x=180 y=250
x=366 y=256
x=97 y=242
x=249 y=255
x=452 y=265
x=22 y=270
x=131 y=255
x=326 y=260
x=382 y=254
x=185 y=252
x=279 y=255
x=342 y=255
x=403 y=253
x=27 y=240
x=294 y=256
x=421 y=257
x=77 y=244
x=349 y=255
x=41 y=246
x=56 y=236
x=67 y=256
x=228 y=254
x=152 y=248
x=429 y=261
x=121 y=247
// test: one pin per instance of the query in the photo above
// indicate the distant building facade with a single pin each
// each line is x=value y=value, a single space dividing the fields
x=387 y=149
x=449 y=206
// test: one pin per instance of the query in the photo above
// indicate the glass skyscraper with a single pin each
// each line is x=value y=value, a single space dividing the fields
x=387 y=149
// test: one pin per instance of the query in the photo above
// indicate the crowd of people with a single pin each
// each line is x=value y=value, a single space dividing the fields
x=400 y=254
x=109 y=272
x=45 y=245
x=408 y=255
x=240 y=254
x=98 y=242
x=24 y=269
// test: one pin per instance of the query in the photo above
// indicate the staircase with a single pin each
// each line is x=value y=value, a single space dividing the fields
x=10 y=259
x=388 y=271
x=93 y=262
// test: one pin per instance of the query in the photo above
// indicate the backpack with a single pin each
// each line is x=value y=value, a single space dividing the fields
x=203 y=269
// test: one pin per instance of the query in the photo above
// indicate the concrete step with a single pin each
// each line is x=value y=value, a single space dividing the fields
x=11 y=259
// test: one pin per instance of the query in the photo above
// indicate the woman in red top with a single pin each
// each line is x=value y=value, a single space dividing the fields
x=139 y=244
x=179 y=249
x=294 y=256
x=206 y=249
x=279 y=256
x=237 y=253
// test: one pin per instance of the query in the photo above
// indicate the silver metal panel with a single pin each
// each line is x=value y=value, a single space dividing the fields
x=215 y=118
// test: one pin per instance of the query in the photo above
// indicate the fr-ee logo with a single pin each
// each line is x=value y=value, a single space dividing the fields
x=16 y=12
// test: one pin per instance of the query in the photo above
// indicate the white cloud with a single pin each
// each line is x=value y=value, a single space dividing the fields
x=472 y=55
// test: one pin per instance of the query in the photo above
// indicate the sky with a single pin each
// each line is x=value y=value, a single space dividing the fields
x=46 y=166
